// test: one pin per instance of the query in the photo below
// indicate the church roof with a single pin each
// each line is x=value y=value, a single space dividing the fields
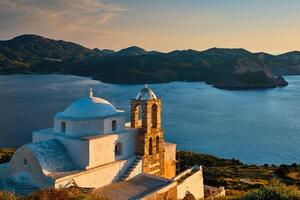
x=89 y=107
x=145 y=94
x=51 y=155
x=135 y=188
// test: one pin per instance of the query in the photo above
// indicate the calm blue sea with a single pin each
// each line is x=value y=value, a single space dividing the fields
x=261 y=126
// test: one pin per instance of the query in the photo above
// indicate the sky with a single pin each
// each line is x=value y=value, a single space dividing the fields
x=271 y=26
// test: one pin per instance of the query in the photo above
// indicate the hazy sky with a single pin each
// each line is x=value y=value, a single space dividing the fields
x=258 y=25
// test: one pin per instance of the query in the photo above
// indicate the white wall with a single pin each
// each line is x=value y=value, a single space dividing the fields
x=95 y=151
x=86 y=127
x=32 y=169
x=99 y=176
x=137 y=170
x=192 y=184
x=77 y=149
x=108 y=124
x=80 y=127
x=102 y=149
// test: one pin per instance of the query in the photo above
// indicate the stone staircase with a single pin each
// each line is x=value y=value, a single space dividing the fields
x=131 y=168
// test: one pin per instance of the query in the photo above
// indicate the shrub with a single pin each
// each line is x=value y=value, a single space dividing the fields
x=56 y=194
x=60 y=194
x=5 y=158
x=6 y=196
x=275 y=191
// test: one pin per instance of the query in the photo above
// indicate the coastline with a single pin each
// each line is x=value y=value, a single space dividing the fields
x=229 y=84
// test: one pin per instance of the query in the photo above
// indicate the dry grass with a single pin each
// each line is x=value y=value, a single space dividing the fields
x=53 y=194
x=294 y=175
x=236 y=177
x=6 y=196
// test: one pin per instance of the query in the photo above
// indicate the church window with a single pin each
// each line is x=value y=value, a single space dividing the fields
x=157 y=144
x=150 y=146
x=118 y=149
x=25 y=161
x=154 y=116
x=138 y=115
x=114 y=125
x=63 y=127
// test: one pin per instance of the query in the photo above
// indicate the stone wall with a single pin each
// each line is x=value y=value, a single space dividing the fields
x=170 y=160
x=150 y=138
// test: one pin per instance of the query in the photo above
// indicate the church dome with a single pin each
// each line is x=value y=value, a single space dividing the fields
x=89 y=107
x=145 y=94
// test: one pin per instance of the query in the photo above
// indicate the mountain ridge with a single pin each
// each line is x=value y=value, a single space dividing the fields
x=34 y=54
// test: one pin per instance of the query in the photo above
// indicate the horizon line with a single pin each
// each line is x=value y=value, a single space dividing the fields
x=274 y=53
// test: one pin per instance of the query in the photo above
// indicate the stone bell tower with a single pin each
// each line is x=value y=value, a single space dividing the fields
x=146 y=116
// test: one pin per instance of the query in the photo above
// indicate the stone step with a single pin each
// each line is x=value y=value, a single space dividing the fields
x=131 y=168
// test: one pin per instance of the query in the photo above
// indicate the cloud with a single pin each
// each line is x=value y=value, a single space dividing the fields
x=73 y=19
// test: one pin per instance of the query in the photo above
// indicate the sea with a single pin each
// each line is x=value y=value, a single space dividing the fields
x=254 y=126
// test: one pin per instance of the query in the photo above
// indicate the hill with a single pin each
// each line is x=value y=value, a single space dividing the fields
x=221 y=67
x=132 y=51
x=239 y=178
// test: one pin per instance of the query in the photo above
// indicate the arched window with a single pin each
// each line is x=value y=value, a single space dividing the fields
x=154 y=116
x=114 y=125
x=139 y=115
x=63 y=127
x=118 y=149
x=157 y=144
x=136 y=116
x=150 y=146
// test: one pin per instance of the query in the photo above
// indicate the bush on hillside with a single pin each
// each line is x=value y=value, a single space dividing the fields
x=275 y=191
x=5 y=157
x=6 y=196
x=53 y=194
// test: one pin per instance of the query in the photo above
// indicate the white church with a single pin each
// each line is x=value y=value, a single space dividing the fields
x=92 y=146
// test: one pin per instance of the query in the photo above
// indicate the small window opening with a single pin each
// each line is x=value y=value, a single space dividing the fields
x=63 y=127
x=154 y=116
x=25 y=161
x=157 y=144
x=118 y=149
x=114 y=125
x=150 y=146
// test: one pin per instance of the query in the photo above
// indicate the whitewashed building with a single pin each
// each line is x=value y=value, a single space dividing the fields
x=90 y=145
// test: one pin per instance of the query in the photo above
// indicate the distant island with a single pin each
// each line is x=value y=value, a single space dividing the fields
x=235 y=69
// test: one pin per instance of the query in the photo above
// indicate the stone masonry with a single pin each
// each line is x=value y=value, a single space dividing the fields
x=150 y=139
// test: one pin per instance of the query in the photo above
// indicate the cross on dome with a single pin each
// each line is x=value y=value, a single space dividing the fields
x=91 y=93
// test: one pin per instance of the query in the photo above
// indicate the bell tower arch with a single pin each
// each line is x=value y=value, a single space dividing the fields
x=150 y=137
